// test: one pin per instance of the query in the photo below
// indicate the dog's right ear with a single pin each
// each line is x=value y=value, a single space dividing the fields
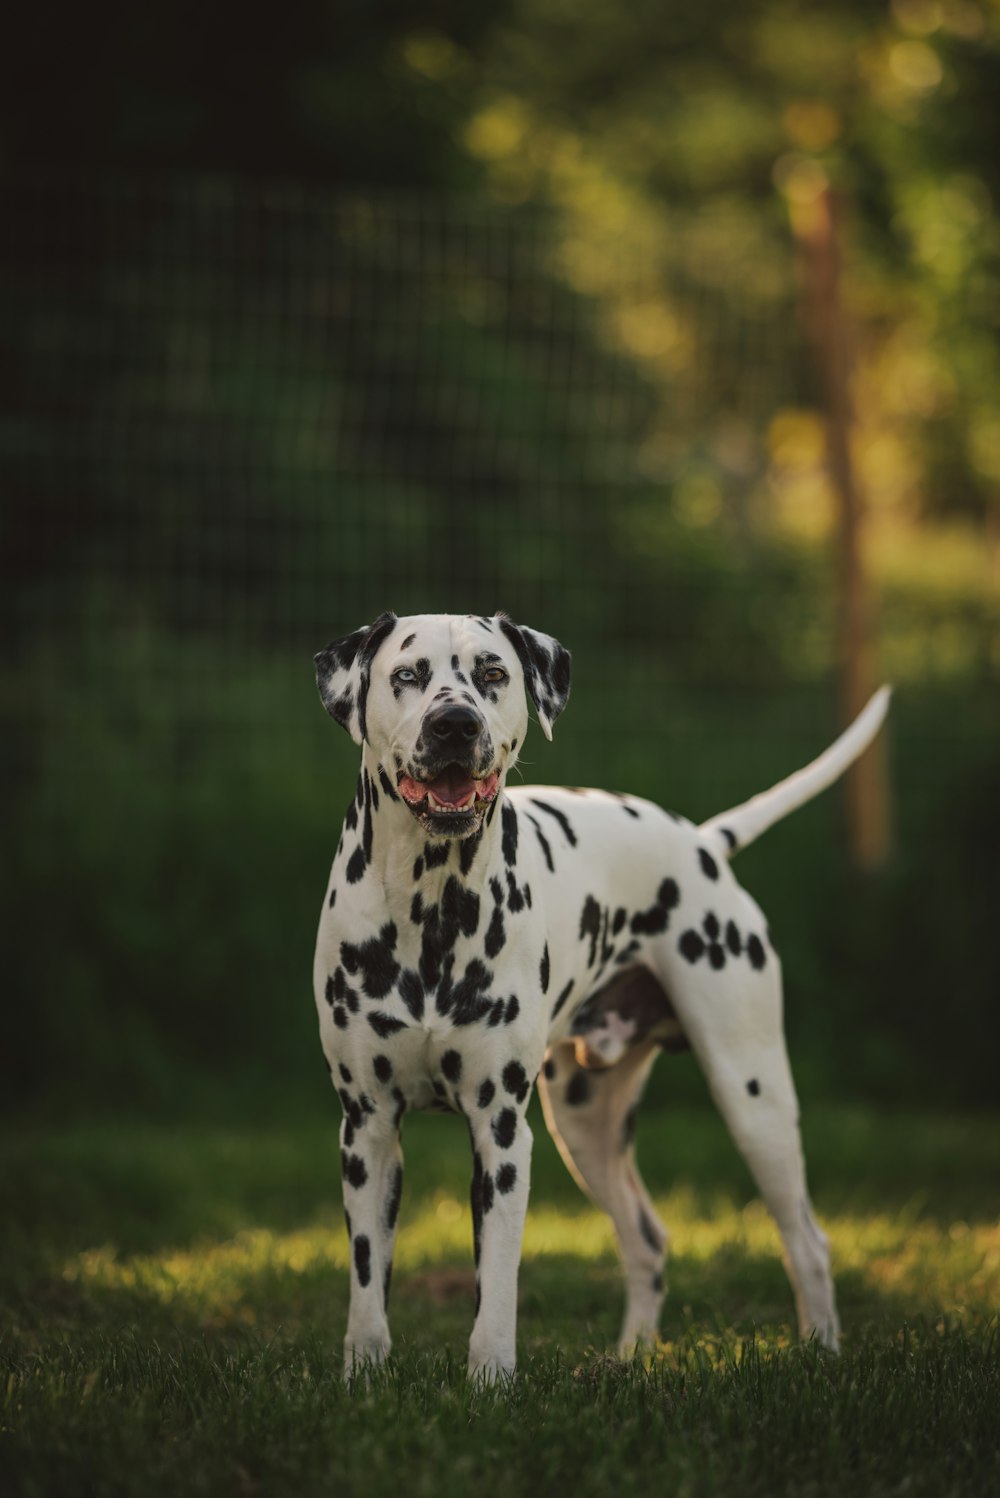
x=343 y=671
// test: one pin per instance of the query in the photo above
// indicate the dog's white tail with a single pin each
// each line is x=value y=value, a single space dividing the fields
x=735 y=829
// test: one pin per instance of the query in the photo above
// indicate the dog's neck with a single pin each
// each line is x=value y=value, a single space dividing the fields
x=390 y=842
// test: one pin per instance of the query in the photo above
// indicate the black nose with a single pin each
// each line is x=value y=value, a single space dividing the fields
x=453 y=726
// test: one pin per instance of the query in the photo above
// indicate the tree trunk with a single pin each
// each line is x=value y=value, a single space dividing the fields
x=816 y=225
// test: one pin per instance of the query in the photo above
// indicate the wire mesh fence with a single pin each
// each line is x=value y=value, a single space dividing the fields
x=237 y=421
x=249 y=418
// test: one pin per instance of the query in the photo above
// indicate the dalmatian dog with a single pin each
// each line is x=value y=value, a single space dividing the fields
x=476 y=939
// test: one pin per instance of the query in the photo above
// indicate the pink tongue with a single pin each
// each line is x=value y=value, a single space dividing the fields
x=452 y=787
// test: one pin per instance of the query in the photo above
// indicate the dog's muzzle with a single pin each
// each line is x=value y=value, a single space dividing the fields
x=451 y=787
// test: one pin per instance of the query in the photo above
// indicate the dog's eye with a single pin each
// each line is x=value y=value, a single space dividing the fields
x=405 y=675
x=494 y=674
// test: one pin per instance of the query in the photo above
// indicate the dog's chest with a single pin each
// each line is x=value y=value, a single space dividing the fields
x=442 y=972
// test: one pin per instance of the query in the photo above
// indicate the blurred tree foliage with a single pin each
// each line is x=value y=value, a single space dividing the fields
x=676 y=130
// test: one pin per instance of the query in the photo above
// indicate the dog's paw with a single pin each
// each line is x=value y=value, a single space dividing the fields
x=361 y=1359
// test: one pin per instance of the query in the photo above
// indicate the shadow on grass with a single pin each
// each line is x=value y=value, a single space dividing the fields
x=214 y=1233
x=291 y=1287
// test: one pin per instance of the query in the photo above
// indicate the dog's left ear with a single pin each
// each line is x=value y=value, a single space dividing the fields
x=546 y=670
x=343 y=671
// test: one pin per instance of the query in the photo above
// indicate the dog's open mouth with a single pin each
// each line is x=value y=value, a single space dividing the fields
x=452 y=792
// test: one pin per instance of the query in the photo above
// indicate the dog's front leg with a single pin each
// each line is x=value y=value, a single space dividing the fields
x=501 y=1146
x=372 y=1169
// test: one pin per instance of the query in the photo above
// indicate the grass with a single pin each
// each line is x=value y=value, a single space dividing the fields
x=173 y=1303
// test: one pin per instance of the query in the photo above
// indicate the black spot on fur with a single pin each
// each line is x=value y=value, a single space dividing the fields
x=337 y=988
x=411 y=991
x=650 y=922
x=590 y=925
x=374 y=960
x=648 y=1232
x=506 y=1178
x=393 y=1199
x=730 y=837
x=549 y=1069
x=621 y=916
x=468 y=849
x=436 y=854
x=418 y=870
x=451 y=1066
x=333 y=899
x=458 y=913
x=511 y=1010
x=753 y=1087
x=560 y=817
x=487 y=1093
x=691 y=946
x=515 y=895
x=466 y=1001
x=345 y=1073
x=496 y=935
x=382 y=1068
x=504 y=1128
x=508 y=844
x=515 y=1080
x=756 y=952
x=355 y=1171
x=408 y=642
x=340 y=1017
x=363 y=1259
x=356 y=865
x=387 y=784
x=564 y=995
x=544 y=969
x=733 y=938
x=543 y=843
x=578 y=1089
x=384 y=1025
x=656 y=919
x=709 y=867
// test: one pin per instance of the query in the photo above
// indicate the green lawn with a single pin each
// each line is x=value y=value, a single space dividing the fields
x=173 y=1302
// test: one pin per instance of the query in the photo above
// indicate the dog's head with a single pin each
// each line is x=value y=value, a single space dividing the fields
x=442 y=699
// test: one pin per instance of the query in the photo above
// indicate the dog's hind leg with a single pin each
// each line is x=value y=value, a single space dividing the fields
x=591 y=1116
x=756 y=1096
x=732 y=1018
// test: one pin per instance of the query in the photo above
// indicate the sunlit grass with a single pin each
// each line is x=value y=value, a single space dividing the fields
x=926 y=1264
x=172 y=1305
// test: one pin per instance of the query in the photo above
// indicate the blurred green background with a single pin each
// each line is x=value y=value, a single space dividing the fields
x=438 y=307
